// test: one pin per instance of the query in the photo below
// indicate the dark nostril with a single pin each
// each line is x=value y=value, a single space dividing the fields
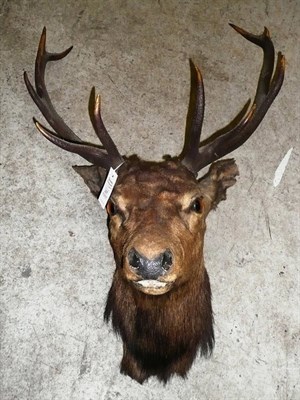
x=150 y=268
x=134 y=259
x=167 y=260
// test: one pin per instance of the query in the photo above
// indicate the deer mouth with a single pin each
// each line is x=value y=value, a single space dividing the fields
x=152 y=286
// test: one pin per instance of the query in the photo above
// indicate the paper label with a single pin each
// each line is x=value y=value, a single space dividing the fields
x=108 y=187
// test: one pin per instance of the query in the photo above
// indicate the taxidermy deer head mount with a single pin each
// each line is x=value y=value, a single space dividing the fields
x=160 y=299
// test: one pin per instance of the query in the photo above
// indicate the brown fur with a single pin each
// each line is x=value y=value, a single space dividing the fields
x=162 y=333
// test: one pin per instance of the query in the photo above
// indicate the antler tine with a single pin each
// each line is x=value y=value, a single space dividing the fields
x=267 y=89
x=265 y=42
x=63 y=136
x=40 y=95
x=101 y=131
x=92 y=153
x=195 y=117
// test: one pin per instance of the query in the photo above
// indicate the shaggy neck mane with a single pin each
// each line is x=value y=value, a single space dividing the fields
x=161 y=334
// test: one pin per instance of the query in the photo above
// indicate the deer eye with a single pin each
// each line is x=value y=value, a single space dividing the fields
x=111 y=208
x=196 y=206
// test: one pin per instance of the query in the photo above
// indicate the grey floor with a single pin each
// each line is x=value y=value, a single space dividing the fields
x=56 y=262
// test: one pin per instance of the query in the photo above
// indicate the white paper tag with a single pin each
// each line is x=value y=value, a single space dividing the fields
x=107 y=188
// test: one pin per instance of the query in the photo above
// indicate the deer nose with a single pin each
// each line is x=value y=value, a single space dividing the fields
x=150 y=268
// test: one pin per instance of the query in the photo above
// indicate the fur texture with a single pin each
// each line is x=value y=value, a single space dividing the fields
x=152 y=208
x=161 y=334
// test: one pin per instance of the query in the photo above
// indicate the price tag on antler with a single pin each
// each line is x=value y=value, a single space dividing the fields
x=108 y=187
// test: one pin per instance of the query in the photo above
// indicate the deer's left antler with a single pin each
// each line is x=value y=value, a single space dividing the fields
x=196 y=155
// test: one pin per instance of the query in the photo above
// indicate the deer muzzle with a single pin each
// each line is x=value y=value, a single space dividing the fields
x=149 y=269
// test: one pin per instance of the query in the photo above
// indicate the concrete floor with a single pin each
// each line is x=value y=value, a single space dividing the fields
x=56 y=262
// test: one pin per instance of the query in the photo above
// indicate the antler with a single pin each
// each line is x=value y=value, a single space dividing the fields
x=64 y=137
x=195 y=155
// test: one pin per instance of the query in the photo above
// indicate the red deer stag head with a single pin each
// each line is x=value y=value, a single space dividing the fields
x=160 y=298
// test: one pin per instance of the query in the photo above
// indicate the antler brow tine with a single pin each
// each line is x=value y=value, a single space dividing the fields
x=218 y=145
x=63 y=136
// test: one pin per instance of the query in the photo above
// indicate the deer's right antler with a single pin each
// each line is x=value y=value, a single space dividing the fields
x=106 y=156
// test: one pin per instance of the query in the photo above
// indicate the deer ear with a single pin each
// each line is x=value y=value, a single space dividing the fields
x=221 y=175
x=93 y=176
